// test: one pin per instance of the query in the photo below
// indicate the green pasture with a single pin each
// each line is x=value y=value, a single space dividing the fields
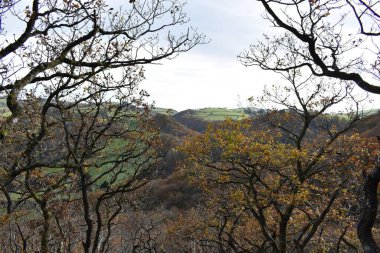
x=164 y=111
x=3 y=106
x=218 y=114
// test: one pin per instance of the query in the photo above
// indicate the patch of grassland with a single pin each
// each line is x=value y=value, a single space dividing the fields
x=3 y=107
x=164 y=111
x=218 y=114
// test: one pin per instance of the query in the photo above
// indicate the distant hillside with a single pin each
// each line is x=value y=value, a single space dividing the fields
x=214 y=114
x=168 y=125
x=198 y=119
x=369 y=126
x=164 y=111
x=179 y=124
x=371 y=111
x=3 y=103
x=3 y=106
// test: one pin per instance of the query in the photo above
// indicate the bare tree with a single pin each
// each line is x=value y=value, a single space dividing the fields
x=330 y=38
x=284 y=187
x=77 y=138
x=321 y=36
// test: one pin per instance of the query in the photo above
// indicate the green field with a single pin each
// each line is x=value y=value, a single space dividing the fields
x=217 y=114
x=220 y=114
x=3 y=107
x=164 y=111
x=370 y=112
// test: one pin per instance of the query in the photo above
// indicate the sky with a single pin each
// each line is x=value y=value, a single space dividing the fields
x=210 y=75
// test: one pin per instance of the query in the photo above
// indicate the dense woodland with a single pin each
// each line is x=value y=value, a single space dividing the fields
x=87 y=165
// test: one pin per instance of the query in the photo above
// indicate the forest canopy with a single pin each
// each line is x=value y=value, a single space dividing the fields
x=88 y=165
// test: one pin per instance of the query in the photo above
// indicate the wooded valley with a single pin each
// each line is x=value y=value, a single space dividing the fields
x=88 y=165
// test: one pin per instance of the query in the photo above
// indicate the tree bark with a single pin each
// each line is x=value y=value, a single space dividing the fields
x=45 y=228
x=86 y=212
x=368 y=216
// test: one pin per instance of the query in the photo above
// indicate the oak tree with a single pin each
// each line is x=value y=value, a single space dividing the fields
x=76 y=139
x=331 y=38
x=285 y=181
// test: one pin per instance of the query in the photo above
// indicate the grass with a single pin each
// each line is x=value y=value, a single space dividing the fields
x=3 y=106
x=370 y=112
x=164 y=111
x=218 y=114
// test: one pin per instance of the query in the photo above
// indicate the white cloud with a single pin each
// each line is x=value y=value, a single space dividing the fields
x=210 y=75
x=196 y=81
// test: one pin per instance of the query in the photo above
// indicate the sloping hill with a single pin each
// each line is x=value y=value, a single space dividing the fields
x=188 y=119
x=3 y=106
x=168 y=125
x=217 y=114
x=198 y=119
x=369 y=126
x=164 y=111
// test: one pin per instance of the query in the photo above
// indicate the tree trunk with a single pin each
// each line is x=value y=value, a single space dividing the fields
x=86 y=212
x=45 y=228
x=368 y=216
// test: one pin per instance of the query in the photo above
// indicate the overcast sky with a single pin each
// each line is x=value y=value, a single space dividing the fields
x=210 y=75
